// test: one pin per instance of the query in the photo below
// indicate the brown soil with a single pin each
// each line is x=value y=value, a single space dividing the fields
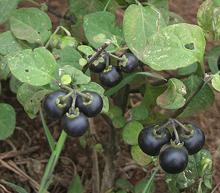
x=28 y=151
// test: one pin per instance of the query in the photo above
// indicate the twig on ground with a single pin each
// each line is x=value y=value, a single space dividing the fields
x=14 y=153
x=10 y=165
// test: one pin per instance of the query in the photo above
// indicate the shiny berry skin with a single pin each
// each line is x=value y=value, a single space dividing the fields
x=218 y=63
x=110 y=77
x=173 y=159
x=97 y=68
x=75 y=126
x=91 y=107
x=52 y=105
x=131 y=64
x=150 y=141
x=194 y=141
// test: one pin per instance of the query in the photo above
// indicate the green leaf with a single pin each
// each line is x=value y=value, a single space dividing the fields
x=8 y=43
x=151 y=94
x=139 y=113
x=4 y=69
x=47 y=132
x=68 y=41
x=14 y=84
x=213 y=56
x=131 y=131
x=139 y=156
x=7 y=120
x=124 y=184
x=30 y=98
x=175 y=46
x=15 y=187
x=138 y=25
x=216 y=82
x=35 y=67
x=205 y=15
x=202 y=100
x=105 y=107
x=68 y=56
x=173 y=97
x=116 y=115
x=188 y=69
x=92 y=86
x=129 y=79
x=87 y=50
x=6 y=8
x=216 y=2
x=76 y=185
x=140 y=186
x=31 y=24
x=215 y=23
x=100 y=27
x=163 y=6
x=78 y=77
x=208 y=18
x=80 y=8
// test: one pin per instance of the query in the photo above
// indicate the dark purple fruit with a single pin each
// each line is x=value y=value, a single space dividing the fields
x=54 y=106
x=151 y=141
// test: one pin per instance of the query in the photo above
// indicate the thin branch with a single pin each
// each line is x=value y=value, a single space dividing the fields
x=96 y=55
x=199 y=88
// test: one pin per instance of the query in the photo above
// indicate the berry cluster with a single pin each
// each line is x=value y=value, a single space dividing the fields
x=172 y=145
x=73 y=109
x=111 y=75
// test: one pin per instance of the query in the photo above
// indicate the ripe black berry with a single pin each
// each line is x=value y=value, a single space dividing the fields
x=110 y=76
x=173 y=159
x=90 y=107
x=75 y=125
x=151 y=141
x=132 y=63
x=194 y=140
x=98 y=66
x=54 y=106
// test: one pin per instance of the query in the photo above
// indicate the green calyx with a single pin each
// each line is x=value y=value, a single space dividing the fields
x=74 y=114
x=61 y=103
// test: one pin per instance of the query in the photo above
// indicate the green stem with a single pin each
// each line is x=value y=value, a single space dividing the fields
x=136 y=1
x=116 y=57
x=72 y=109
x=146 y=189
x=49 y=136
x=47 y=177
x=188 y=130
x=107 y=4
x=86 y=96
x=96 y=55
x=175 y=133
x=55 y=32
x=163 y=126
x=64 y=98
